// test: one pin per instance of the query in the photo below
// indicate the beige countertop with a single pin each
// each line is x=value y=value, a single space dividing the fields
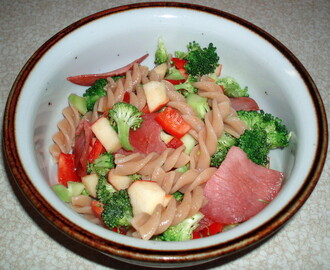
x=303 y=26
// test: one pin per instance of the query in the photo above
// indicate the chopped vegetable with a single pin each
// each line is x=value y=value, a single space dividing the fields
x=66 y=169
x=94 y=93
x=102 y=165
x=161 y=53
x=182 y=231
x=96 y=151
x=199 y=104
x=172 y=122
x=277 y=133
x=124 y=117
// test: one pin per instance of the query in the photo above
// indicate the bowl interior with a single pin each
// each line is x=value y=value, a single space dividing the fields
x=110 y=41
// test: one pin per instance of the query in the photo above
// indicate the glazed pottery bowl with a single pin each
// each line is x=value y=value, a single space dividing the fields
x=112 y=38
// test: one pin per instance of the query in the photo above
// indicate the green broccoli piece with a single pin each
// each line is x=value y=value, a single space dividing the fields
x=117 y=77
x=104 y=190
x=161 y=54
x=187 y=87
x=232 y=87
x=199 y=104
x=94 y=93
x=254 y=143
x=225 y=142
x=102 y=164
x=201 y=61
x=178 y=196
x=183 y=169
x=277 y=133
x=182 y=231
x=135 y=176
x=117 y=211
x=123 y=117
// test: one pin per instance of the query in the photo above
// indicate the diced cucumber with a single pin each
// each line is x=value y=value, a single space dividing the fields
x=79 y=103
x=75 y=188
x=66 y=193
x=189 y=142
x=62 y=192
x=165 y=137
x=174 y=74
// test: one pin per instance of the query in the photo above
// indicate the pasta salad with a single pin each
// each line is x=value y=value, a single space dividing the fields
x=172 y=153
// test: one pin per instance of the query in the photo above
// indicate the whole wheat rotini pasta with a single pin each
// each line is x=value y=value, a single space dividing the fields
x=64 y=138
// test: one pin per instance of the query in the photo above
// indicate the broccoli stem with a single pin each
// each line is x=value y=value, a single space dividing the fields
x=123 y=134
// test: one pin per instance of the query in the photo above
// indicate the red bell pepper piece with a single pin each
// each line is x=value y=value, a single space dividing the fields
x=97 y=208
x=127 y=97
x=145 y=109
x=89 y=79
x=96 y=151
x=66 y=169
x=213 y=229
x=179 y=63
x=176 y=82
x=174 y=143
x=172 y=122
x=119 y=230
x=197 y=235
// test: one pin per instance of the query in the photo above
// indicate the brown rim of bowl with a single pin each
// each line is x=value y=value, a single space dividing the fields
x=248 y=240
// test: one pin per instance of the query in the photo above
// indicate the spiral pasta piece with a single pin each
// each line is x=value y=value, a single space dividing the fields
x=65 y=137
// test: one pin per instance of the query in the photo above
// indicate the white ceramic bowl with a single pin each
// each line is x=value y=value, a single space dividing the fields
x=112 y=38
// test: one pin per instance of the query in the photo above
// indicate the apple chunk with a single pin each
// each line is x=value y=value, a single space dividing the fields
x=106 y=135
x=161 y=70
x=145 y=196
x=90 y=182
x=156 y=95
x=119 y=181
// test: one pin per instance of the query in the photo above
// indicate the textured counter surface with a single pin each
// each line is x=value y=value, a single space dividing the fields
x=302 y=26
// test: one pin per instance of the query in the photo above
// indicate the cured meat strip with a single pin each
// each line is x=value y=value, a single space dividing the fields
x=239 y=189
x=89 y=79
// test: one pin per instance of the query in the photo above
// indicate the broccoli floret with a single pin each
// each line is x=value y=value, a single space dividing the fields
x=187 y=87
x=232 y=87
x=135 y=176
x=182 y=231
x=178 y=196
x=201 y=61
x=117 y=77
x=225 y=142
x=277 y=133
x=161 y=54
x=102 y=164
x=123 y=117
x=199 y=104
x=183 y=169
x=117 y=211
x=104 y=190
x=93 y=93
x=254 y=143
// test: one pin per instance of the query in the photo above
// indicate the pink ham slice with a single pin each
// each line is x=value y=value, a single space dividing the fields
x=146 y=139
x=80 y=150
x=239 y=189
x=244 y=103
x=89 y=79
